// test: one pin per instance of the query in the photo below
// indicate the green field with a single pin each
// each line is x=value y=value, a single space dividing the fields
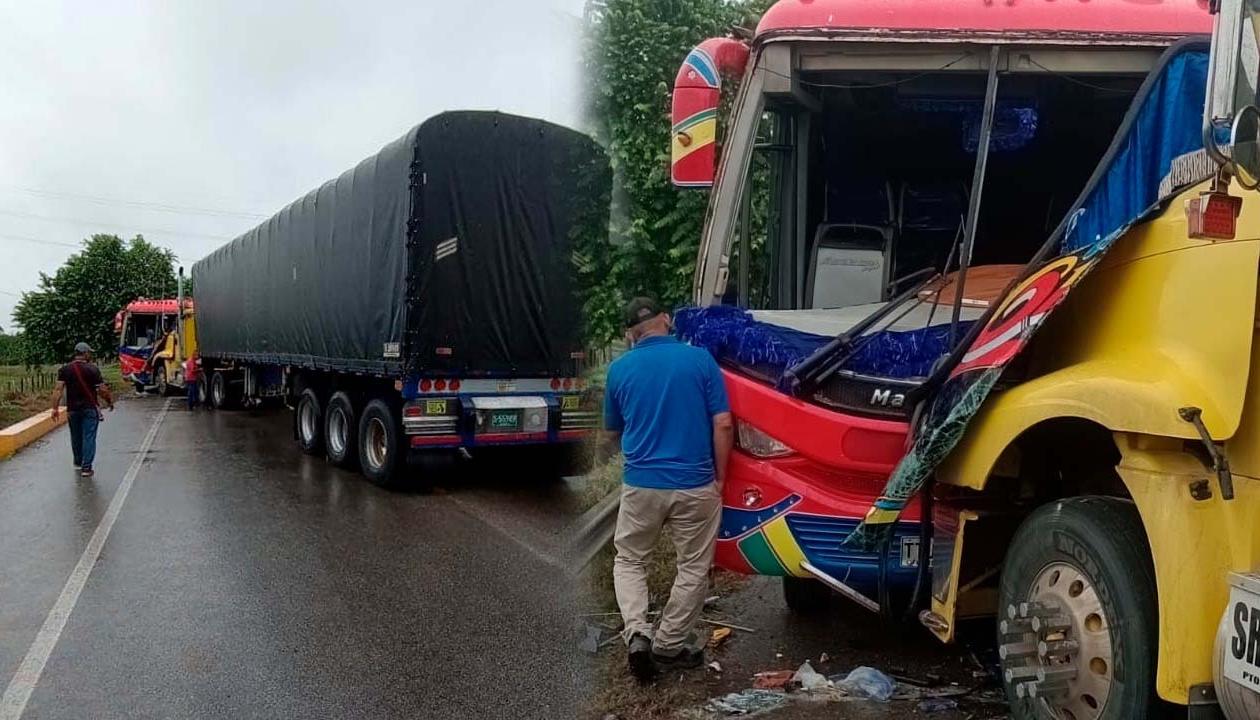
x=26 y=391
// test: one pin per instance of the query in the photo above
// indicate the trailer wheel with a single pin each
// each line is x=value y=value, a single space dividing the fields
x=340 y=431
x=309 y=422
x=380 y=445
x=220 y=391
x=1078 y=629
x=806 y=596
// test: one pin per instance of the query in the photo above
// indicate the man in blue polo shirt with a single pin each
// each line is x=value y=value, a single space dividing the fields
x=666 y=403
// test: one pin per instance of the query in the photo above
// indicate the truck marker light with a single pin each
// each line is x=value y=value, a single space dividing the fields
x=555 y=383
x=752 y=497
x=1213 y=216
x=454 y=385
x=426 y=385
x=413 y=411
x=568 y=383
x=444 y=351
x=439 y=385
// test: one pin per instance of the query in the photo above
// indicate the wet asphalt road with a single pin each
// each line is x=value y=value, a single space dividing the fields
x=243 y=579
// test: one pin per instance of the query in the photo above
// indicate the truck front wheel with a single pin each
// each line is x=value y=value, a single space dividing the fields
x=1077 y=627
x=380 y=445
x=159 y=379
x=340 y=430
x=308 y=419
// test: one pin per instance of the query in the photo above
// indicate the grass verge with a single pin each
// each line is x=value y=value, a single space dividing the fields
x=25 y=391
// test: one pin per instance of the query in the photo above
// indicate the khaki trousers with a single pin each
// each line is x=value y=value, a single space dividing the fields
x=692 y=517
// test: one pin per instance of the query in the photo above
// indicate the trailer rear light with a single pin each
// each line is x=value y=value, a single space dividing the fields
x=454 y=385
x=439 y=384
x=759 y=444
x=568 y=383
x=413 y=411
x=1213 y=216
x=426 y=385
x=581 y=383
x=555 y=383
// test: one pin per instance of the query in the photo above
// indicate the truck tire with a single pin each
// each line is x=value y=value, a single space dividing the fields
x=341 y=431
x=221 y=391
x=807 y=596
x=160 y=380
x=1079 y=571
x=308 y=422
x=381 y=445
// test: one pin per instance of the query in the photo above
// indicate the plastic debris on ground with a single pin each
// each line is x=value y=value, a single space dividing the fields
x=715 y=666
x=747 y=702
x=867 y=682
x=719 y=636
x=772 y=679
x=591 y=639
x=807 y=679
x=935 y=705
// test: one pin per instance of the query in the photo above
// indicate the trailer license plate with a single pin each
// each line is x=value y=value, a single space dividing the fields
x=1242 y=653
x=570 y=402
x=505 y=419
x=434 y=407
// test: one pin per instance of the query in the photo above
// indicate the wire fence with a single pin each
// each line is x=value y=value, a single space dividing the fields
x=28 y=383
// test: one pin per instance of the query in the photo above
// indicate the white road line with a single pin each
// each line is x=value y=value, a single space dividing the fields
x=13 y=704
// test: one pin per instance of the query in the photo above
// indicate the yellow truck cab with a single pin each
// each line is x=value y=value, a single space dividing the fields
x=999 y=260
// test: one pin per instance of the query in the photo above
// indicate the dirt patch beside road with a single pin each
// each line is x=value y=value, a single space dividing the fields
x=834 y=643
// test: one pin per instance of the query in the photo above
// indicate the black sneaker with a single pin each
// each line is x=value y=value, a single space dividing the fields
x=640 y=658
x=683 y=659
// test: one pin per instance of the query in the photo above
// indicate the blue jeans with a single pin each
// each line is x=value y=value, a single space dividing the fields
x=83 y=425
x=192 y=394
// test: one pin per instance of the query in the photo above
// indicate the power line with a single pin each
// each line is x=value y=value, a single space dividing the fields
x=37 y=241
x=147 y=205
x=99 y=223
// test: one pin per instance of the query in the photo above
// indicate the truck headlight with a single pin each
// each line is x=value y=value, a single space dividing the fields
x=759 y=444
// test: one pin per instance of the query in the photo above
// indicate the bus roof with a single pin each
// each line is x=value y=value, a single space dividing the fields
x=1040 y=20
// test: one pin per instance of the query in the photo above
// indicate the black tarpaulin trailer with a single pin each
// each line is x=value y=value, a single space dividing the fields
x=449 y=252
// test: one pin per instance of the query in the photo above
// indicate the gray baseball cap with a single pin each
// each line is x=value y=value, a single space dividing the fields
x=82 y=348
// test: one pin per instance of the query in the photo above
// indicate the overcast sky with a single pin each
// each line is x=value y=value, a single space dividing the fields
x=190 y=121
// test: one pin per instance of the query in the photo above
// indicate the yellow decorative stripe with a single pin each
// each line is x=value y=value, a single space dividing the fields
x=784 y=545
x=875 y=516
x=702 y=134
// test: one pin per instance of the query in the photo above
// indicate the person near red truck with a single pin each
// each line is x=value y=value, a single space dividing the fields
x=192 y=379
x=84 y=388
x=665 y=402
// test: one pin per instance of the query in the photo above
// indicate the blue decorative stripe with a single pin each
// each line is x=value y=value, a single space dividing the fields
x=700 y=61
x=737 y=521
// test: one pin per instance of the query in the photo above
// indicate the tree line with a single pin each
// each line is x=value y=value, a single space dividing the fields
x=78 y=302
x=633 y=51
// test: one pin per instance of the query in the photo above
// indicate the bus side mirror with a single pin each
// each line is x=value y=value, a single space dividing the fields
x=1230 y=121
x=697 y=94
x=1244 y=147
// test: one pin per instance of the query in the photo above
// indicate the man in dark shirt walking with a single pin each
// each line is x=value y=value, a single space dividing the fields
x=666 y=404
x=84 y=388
